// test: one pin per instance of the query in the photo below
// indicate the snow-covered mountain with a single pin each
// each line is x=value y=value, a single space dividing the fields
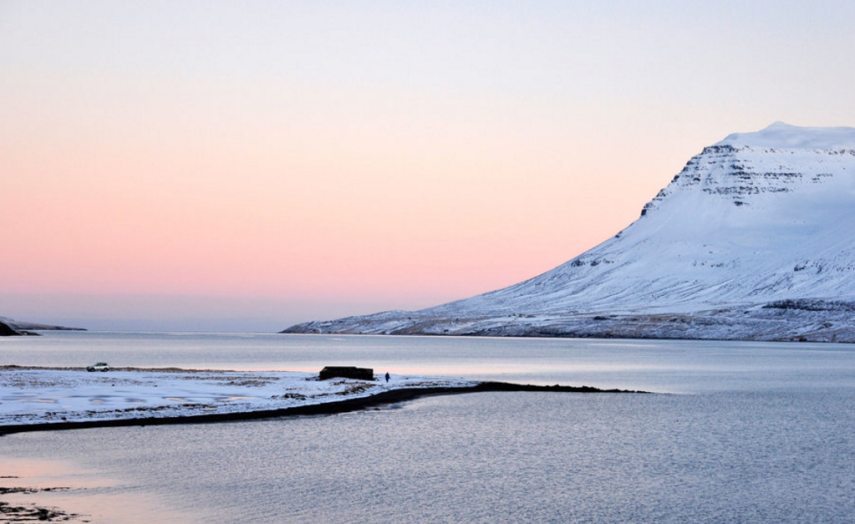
x=753 y=239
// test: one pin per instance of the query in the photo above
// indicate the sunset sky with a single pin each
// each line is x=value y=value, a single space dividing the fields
x=243 y=166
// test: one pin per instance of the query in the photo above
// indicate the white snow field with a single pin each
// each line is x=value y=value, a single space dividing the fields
x=57 y=396
x=754 y=240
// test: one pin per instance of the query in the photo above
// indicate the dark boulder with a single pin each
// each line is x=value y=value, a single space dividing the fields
x=346 y=372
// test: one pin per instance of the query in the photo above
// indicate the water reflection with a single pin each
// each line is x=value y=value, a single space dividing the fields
x=763 y=456
x=763 y=435
x=89 y=495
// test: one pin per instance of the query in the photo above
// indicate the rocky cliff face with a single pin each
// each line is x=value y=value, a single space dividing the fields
x=753 y=239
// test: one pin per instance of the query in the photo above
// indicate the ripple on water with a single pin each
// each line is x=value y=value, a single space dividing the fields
x=780 y=456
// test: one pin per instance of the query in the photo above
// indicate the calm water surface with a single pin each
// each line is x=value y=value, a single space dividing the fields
x=742 y=432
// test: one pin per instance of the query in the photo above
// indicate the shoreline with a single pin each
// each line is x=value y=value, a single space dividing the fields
x=575 y=335
x=327 y=408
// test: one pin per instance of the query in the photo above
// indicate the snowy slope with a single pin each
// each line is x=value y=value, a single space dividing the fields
x=752 y=221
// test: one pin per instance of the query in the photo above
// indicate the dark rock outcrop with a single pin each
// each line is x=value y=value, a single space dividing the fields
x=7 y=331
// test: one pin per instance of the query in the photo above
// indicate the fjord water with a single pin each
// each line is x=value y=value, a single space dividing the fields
x=739 y=432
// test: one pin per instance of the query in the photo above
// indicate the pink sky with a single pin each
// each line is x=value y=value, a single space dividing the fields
x=277 y=163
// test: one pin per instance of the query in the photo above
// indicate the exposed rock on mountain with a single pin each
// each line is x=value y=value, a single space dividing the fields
x=752 y=240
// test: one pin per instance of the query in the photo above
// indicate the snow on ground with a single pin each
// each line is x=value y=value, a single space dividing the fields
x=40 y=395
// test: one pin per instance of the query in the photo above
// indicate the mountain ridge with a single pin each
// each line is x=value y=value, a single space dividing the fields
x=753 y=223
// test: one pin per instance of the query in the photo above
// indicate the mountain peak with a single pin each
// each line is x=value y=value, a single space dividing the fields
x=751 y=240
x=785 y=136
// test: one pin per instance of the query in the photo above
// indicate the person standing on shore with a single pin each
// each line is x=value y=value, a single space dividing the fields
x=387 y=376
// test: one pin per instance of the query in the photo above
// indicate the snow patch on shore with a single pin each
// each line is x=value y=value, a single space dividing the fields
x=42 y=395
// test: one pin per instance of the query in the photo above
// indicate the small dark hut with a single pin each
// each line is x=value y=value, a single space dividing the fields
x=346 y=372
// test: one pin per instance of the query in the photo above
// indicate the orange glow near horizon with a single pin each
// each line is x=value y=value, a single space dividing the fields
x=352 y=154
x=464 y=209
